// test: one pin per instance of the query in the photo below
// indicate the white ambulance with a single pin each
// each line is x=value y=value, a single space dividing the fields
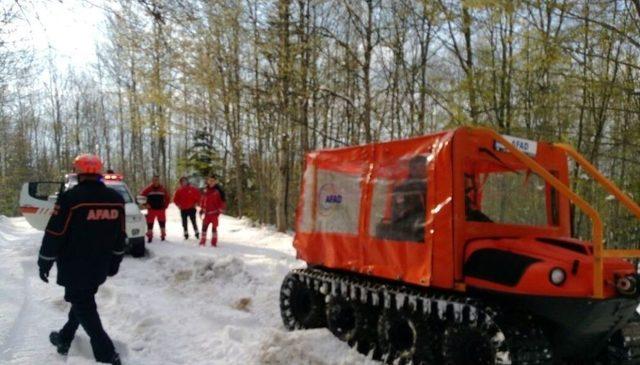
x=37 y=199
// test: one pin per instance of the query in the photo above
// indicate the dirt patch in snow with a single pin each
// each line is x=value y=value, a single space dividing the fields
x=242 y=304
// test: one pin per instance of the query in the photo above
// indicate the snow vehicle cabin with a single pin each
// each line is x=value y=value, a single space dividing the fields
x=37 y=199
x=457 y=248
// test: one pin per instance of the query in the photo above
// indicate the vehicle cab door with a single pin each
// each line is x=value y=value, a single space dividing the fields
x=37 y=200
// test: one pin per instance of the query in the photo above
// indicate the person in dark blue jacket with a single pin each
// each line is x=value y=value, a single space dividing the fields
x=85 y=237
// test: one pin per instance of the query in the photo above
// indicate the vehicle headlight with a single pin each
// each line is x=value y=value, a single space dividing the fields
x=557 y=276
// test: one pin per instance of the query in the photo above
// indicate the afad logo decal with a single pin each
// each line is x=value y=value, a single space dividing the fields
x=102 y=214
x=329 y=198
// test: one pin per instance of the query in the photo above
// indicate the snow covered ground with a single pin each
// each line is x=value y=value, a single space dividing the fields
x=183 y=304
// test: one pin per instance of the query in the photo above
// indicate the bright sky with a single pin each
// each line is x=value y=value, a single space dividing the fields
x=70 y=28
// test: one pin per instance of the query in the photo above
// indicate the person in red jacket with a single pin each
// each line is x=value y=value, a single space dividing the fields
x=212 y=204
x=158 y=199
x=186 y=198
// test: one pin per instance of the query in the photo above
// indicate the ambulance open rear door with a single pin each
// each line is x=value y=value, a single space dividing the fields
x=37 y=200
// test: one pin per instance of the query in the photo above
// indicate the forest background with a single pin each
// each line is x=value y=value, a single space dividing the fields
x=245 y=87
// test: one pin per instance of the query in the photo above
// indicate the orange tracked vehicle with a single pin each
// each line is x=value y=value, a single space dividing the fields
x=457 y=248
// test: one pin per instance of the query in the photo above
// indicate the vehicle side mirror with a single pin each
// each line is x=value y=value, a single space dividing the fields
x=141 y=199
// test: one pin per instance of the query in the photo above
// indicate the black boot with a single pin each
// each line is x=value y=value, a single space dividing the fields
x=197 y=235
x=61 y=345
x=186 y=235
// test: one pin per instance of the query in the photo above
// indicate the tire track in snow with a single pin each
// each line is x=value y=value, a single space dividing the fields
x=174 y=307
x=15 y=335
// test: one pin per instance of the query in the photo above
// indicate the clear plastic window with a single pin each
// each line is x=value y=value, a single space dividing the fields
x=43 y=190
x=507 y=197
x=337 y=207
x=398 y=207
x=306 y=223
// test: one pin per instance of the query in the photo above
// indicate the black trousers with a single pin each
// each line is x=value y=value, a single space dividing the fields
x=85 y=313
x=191 y=214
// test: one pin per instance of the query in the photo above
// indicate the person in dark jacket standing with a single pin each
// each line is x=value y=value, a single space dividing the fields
x=186 y=198
x=85 y=237
x=158 y=199
x=213 y=203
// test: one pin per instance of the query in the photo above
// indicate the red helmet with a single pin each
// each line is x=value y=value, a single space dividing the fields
x=88 y=164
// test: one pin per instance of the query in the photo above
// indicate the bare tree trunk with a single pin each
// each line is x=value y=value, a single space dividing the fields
x=425 y=43
x=121 y=125
x=366 y=70
x=471 y=83
x=284 y=72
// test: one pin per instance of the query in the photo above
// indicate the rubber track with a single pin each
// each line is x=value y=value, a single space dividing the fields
x=517 y=338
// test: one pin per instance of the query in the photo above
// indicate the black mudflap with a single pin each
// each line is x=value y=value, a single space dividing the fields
x=580 y=329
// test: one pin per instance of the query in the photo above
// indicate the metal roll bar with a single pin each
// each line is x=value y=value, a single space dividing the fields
x=597 y=227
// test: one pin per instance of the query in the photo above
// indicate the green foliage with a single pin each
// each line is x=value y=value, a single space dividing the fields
x=203 y=157
x=249 y=190
x=275 y=79
x=8 y=198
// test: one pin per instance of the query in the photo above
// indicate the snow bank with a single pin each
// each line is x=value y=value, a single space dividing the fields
x=183 y=304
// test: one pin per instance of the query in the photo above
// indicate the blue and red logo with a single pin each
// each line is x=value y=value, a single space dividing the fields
x=329 y=197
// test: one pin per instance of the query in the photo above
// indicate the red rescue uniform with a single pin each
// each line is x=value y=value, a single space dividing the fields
x=158 y=199
x=186 y=197
x=213 y=203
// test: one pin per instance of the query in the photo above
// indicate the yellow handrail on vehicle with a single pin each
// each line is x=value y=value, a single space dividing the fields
x=611 y=188
x=596 y=227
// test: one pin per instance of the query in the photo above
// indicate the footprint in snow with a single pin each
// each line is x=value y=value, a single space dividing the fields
x=147 y=323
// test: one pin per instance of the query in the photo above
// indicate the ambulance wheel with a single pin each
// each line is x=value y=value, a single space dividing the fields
x=138 y=248
x=300 y=306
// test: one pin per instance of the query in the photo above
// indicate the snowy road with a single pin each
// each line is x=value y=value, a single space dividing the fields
x=182 y=304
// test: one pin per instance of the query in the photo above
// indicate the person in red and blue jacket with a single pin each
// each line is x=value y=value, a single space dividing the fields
x=212 y=204
x=186 y=198
x=158 y=199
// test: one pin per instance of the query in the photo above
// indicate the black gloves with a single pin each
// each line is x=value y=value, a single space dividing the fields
x=45 y=267
x=115 y=265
